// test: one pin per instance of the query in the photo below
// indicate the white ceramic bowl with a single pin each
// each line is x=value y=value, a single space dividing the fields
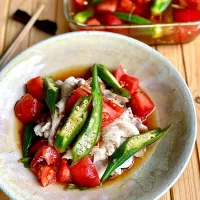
x=157 y=76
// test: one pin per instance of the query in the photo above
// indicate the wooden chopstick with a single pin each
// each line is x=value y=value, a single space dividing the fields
x=5 y=58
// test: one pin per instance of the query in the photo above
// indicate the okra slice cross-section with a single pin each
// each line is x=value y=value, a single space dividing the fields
x=73 y=124
x=88 y=136
x=130 y=147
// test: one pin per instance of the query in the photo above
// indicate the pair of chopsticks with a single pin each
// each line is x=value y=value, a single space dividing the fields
x=5 y=58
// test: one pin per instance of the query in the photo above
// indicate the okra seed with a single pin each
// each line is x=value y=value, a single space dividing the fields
x=77 y=108
x=81 y=142
x=79 y=119
x=85 y=102
x=84 y=143
x=84 y=137
x=83 y=149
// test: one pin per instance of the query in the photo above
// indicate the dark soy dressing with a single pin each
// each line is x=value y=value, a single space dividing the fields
x=151 y=123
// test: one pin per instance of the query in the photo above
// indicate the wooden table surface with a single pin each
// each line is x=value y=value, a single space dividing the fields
x=186 y=58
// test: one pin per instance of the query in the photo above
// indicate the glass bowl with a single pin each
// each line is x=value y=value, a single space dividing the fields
x=168 y=33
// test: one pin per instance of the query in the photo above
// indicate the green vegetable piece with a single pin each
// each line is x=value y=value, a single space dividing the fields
x=51 y=93
x=29 y=135
x=83 y=16
x=26 y=162
x=158 y=6
x=133 y=19
x=110 y=80
x=88 y=137
x=73 y=124
x=130 y=147
x=72 y=187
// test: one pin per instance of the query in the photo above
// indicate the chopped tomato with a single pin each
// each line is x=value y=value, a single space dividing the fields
x=142 y=105
x=27 y=108
x=45 y=155
x=111 y=112
x=130 y=83
x=186 y=15
x=141 y=9
x=35 y=88
x=36 y=145
x=80 y=2
x=191 y=3
x=46 y=175
x=127 y=5
x=84 y=173
x=74 y=98
x=63 y=172
x=113 y=20
x=93 y=21
x=119 y=72
x=107 y=6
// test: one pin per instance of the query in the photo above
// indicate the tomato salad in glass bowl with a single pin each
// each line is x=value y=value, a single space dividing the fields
x=82 y=132
x=121 y=12
x=150 y=21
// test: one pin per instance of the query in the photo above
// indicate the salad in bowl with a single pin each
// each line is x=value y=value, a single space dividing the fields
x=52 y=96
x=83 y=131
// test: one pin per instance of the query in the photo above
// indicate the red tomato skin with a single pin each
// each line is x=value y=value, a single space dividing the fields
x=130 y=83
x=35 y=88
x=186 y=15
x=107 y=6
x=45 y=154
x=113 y=20
x=142 y=105
x=36 y=145
x=93 y=21
x=63 y=172
x=84 y=173
x=126 y=5
x=74 y=98
x=80 y=2
x=118 y=73
x=27 y=108
x=46 y=175
x=110 y=113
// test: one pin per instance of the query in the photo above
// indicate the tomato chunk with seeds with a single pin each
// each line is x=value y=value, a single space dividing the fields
x=74 y=98
x=84 y=173
x=36 y=145
x=142 y=105
x=113 y=20
x=118 y=73
x=63 y=172
x=111 y=112
x=186 y=15
x=45 y=155
x=27 y=108
x=126 y=5
x=35 y=88
x=46 y=175
x=107 y=6
x=130 y=83
x=93 y=21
